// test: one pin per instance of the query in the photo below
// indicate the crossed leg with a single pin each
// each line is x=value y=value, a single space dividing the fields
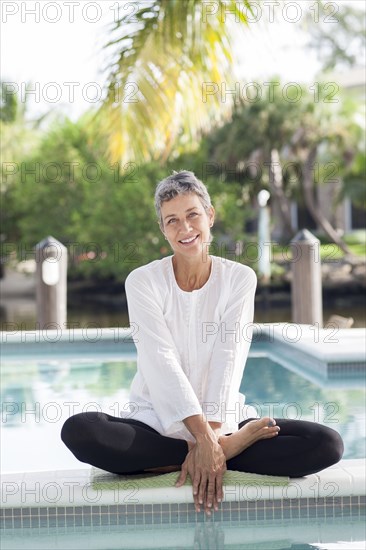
x=127 y=446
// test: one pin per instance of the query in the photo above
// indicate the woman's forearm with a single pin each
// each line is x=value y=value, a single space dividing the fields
x=200 y=428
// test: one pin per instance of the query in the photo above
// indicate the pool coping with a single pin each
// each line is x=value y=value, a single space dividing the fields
x=324 y=345
x=64 y=487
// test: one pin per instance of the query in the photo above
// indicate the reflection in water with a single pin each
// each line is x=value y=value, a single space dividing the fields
x=266 y=381
x=14 y=399
x=53 y=371
x=315 y=534
x=276 y=391
x=22 y=312
x=209 y=535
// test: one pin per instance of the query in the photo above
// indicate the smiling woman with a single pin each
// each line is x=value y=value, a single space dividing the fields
x=185 y=217
x=187 y=412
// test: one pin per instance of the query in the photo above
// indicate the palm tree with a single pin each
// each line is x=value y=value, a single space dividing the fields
x=165 y=54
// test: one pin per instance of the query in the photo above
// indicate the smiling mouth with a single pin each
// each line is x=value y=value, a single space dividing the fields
x=189 y=241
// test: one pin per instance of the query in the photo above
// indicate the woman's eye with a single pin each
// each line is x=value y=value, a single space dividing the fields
x=192 y=214
x=171 y=220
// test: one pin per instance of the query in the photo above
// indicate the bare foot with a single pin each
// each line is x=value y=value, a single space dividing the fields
x=235 y=443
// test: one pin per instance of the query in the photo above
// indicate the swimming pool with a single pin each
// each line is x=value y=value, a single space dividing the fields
x=43 y=385
x=44 y=380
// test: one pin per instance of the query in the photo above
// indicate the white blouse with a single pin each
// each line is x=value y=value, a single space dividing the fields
x=191 y=346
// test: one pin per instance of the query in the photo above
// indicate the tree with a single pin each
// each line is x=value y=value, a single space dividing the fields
x=20 y=135
x=329 y=134
x=103 y=213
x=337 y=33
x=302 y=134
x=8 y=104
x=165 y=57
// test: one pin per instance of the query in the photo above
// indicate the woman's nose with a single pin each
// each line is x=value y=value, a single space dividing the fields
x=185 y=224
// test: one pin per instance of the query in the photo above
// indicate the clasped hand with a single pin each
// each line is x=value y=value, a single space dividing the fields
x=205 y=464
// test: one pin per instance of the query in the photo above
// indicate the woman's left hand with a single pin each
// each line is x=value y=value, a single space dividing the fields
x=206 y=464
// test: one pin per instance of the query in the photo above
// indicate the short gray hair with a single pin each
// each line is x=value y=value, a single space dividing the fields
x=180 y=183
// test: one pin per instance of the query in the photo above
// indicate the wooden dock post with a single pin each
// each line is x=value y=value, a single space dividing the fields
x=51 y=284
x=306 y=287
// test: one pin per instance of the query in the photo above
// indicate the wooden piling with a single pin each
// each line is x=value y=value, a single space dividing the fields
x=51 y=284
x=306 y=287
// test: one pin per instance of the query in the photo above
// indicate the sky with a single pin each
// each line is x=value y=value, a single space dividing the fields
x=60 y=49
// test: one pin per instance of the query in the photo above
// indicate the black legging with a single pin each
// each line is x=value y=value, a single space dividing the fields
x=126 y=446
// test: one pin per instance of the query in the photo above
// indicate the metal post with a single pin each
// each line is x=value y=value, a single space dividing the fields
x=51 y=283
x=306 y=287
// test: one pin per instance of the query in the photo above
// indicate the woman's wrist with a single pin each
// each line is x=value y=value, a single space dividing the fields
x=208 y=437
x=199 y=428
x=216 y=428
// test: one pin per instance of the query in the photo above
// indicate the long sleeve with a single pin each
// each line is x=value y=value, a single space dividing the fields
x=231 y=348
x=158 y=361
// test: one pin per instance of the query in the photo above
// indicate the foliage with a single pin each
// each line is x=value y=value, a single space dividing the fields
x=338 y=38
x=316 y=140
x=161 y=58
x=266 y=124
x=104 y=213
x=354 y=182
x=20 y=137
x=328 y=251
x=95 y=178
x=8 y=104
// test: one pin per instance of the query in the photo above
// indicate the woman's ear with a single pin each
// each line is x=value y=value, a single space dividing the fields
x=162 y=230
x=211 y=215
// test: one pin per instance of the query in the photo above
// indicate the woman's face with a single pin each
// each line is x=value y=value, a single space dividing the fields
x=186 y=224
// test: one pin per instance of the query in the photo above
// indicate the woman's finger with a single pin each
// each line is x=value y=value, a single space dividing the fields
x=182 y=476
x=211 y=488
x=219 y=485
x=196 y=489
x=202 y=490
x=196 y=483
x=196 y=503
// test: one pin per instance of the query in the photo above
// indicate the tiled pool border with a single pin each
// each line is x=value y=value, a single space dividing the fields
x=180 y=513
x=338 y=491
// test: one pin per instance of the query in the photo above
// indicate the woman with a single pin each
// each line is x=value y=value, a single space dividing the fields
x=194 y=314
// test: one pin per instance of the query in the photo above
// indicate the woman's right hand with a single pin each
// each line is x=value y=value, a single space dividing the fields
x=205 y=464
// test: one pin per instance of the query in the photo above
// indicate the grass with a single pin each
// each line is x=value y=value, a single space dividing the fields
x=328 y=251
x=280 y=254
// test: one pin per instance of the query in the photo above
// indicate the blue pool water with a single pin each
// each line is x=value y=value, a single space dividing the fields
x=38 y=395
x=326 y=534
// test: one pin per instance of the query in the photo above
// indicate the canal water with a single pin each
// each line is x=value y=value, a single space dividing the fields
x=20 y=314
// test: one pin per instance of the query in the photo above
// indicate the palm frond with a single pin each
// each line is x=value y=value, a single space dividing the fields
x=167 y=51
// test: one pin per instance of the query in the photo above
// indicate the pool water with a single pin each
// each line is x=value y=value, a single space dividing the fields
x=326 y=534
x=38 y=396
